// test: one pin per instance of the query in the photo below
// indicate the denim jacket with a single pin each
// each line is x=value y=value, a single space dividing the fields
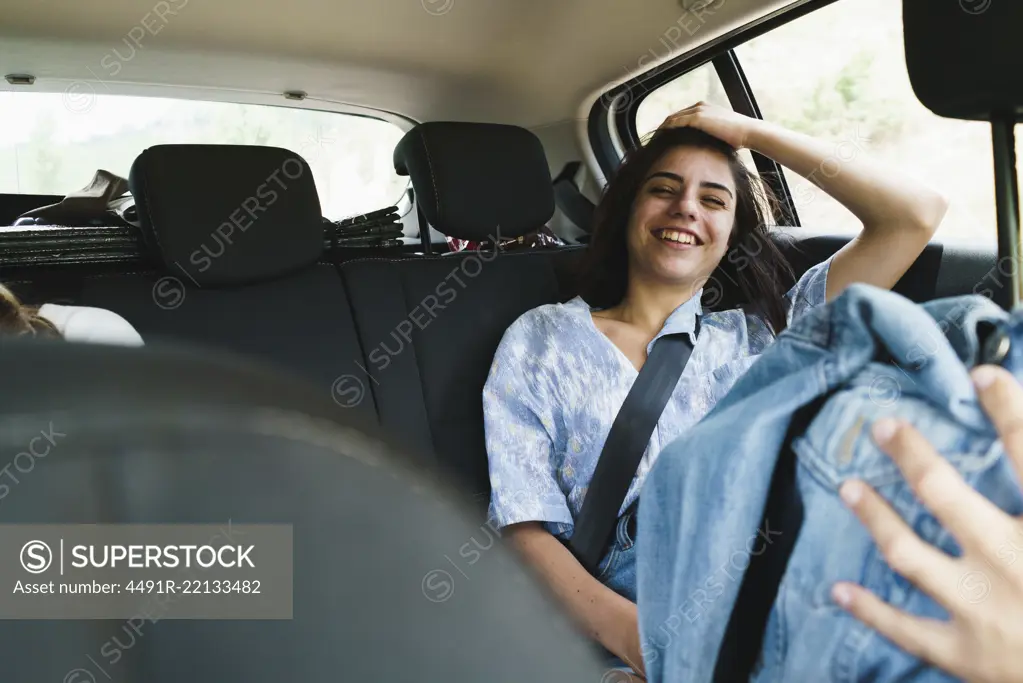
x=869 y=353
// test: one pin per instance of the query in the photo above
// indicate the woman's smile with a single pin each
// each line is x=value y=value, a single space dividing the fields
x=678 y=238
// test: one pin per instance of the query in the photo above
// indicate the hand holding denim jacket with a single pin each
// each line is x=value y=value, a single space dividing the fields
x=870 y=353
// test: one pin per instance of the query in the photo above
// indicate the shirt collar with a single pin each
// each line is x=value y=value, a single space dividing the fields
x=682 y=319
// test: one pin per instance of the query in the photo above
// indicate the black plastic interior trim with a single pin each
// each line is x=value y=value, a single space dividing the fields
x=53 y=246
x=13 y=205
x=1003 y=127
x=655 y=78
x=637 y=89
x=742 y=99
x=636 y=98
x=625 y=122
x=967 y=269
x=600 y=135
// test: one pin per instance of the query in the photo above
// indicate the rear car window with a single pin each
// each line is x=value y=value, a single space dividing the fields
x=53 y=143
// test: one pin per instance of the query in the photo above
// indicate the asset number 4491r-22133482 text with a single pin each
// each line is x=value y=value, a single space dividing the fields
x=193 y=587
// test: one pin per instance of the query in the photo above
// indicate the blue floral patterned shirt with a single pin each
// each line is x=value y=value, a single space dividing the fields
x=557 y=383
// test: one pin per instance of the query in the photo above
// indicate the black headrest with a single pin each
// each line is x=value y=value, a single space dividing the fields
x=372 y=589
x=964 y=57
x=228 y=214
x=473 y=179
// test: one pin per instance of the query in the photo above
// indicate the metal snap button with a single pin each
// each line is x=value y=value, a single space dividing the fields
x=996 y=347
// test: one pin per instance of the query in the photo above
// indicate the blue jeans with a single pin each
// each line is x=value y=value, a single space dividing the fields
x=867 y=354
x=617 y=571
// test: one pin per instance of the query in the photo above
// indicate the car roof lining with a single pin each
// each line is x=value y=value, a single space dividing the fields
x=529 y=63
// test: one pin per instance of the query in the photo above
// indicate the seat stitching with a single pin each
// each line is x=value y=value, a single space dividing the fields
x=358 y=336
x=419 y=372
x=433 y=178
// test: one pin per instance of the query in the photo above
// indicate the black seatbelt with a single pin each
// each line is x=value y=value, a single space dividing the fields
x=623 y=449
x=776 y=539
x=573 y=203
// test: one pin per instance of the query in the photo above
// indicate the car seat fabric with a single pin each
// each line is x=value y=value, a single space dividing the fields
x=237 y=232
x=171 y=436
x=429 y=326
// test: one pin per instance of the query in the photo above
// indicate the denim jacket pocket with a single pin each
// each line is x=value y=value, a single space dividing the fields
x=838 y=444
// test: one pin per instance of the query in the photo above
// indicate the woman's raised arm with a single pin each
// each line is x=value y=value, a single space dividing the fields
x=899 y=214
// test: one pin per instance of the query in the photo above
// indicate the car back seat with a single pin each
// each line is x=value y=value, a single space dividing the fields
x=430 y=326
x=237 y=231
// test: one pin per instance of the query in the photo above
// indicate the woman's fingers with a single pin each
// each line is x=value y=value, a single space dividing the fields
x=676 y=120
x=687 y=110
x=1002 y=398
x=982 y=641
x=682 y=116
x=934 y=641
x=931 y=570
x=971 y=518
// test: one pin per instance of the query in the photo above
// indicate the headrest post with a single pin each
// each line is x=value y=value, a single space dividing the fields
x=1003 y=124
x=424 y=230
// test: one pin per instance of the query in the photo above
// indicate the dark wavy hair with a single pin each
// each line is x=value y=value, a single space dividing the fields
x=753 y=273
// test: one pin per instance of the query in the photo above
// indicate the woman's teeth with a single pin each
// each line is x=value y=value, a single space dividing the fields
x=677 y=236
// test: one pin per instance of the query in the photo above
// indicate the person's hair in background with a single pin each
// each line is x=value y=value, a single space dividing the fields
x=19 y=319
x=753 y=264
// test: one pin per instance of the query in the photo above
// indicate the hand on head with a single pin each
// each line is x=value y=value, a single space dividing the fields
x=724 y=124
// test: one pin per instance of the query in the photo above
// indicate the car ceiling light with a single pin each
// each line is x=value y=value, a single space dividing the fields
x=20 y=79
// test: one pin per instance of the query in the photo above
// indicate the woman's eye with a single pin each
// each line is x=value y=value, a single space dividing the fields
x=715 y=200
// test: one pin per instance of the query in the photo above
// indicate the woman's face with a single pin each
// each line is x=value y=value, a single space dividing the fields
x=682 y=217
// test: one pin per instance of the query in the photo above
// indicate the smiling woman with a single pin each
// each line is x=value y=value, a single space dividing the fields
x=681 y=210
x=637 y=209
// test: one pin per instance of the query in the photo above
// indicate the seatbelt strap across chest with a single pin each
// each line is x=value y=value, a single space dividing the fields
x=626 y=442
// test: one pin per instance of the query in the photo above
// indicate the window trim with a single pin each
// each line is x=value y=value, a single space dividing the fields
x=740 y=95
x=618 y=105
